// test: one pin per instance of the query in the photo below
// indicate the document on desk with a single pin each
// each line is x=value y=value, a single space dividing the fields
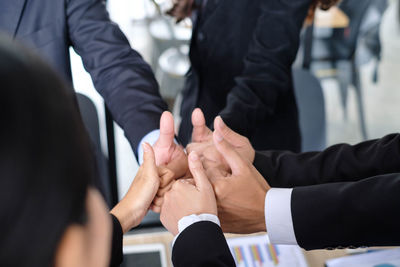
x=380 y=258
x=257 y=251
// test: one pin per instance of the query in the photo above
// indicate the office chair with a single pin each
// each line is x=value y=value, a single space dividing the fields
x=311 y=106
x=339 y=49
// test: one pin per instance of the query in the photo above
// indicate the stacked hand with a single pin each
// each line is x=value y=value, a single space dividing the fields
x=218 y=179
x=162 y=164
x=225 y=159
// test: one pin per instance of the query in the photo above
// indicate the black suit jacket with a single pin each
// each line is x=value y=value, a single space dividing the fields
x=119 y=73
x=345 y=196
x=241 y=54
x=200 y=244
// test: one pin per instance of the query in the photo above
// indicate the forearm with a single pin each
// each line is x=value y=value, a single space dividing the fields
x=119 y=73
x=363 y=213
x=337 y=163
x=202 y=244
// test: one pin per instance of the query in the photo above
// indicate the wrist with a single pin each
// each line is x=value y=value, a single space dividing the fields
x=260 y=224
x=128 y=215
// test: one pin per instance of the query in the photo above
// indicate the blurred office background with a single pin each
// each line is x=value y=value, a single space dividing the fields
x=352 y=50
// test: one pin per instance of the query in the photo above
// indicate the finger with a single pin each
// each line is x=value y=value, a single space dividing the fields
x=149 y=158
x=198 y=147
x=161 y=192
x=167 y=176
x=200 y=130
x=233 y=159
x=167 y=133
x=227 y=133
x=188 y=181
x=155 y=209
x=198 y=172
x=158 y=201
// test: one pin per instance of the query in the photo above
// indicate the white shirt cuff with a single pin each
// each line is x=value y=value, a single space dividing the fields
x=278 y=216
x=187 y=221
x=150 y=138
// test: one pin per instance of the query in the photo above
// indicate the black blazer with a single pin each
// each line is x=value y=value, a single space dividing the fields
x=119 y=73
x=241 y=54
x=345 y=196
x=201 y=244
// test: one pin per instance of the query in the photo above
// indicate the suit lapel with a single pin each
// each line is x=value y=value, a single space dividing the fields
x=10 y=15
x=209 y=9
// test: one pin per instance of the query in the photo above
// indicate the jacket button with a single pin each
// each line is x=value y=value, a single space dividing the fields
x=201 y=37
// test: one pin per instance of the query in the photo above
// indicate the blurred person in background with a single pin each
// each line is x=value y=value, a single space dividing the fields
x=241 y=54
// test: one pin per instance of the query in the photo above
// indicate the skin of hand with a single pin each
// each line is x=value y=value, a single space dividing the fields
x=240 y=193
x=210 y=156
x=181 y=9
x=167 y=152
x=133 y=207
x=167 y=180
x=188 y=197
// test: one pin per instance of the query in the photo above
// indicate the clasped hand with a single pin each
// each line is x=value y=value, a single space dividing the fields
x=220 y=174
x=217 y=178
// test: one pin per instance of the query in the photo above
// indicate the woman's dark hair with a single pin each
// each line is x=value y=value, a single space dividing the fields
x=45 y=159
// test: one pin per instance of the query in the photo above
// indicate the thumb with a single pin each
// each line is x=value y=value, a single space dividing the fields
x=227 y=151
x=227 y=133
x=200 y=130
x=199 y=174
x=149 y=158
x=167 y=132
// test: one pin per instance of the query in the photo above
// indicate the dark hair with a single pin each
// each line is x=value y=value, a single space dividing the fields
x=45 y=159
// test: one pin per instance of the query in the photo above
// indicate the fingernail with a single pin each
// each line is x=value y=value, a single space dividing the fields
x=193 y=156
x=217 y=136
x=221 y=122
x=145 y=147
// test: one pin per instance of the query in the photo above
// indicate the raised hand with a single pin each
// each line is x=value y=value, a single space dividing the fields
x=240 y=193
x=167 y=152
x=133 y=207
x=193 y=196
x=209 y=153
x=201 y=135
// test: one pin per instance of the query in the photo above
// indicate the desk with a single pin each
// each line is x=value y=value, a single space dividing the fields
x=314 y=258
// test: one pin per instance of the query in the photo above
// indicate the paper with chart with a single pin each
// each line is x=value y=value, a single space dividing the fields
x=257 y=251
x=382 y=258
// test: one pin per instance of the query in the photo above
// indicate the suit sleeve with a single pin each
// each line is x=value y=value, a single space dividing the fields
x=338 y=163
x=202 y=244
x=352 y=214
x=267 y=65
x=116 y=246
x=120 y=75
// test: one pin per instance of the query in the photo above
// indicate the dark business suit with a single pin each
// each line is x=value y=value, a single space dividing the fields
x=241 y=54
x=344 y=196
x=200 y=244
x=119 y=73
